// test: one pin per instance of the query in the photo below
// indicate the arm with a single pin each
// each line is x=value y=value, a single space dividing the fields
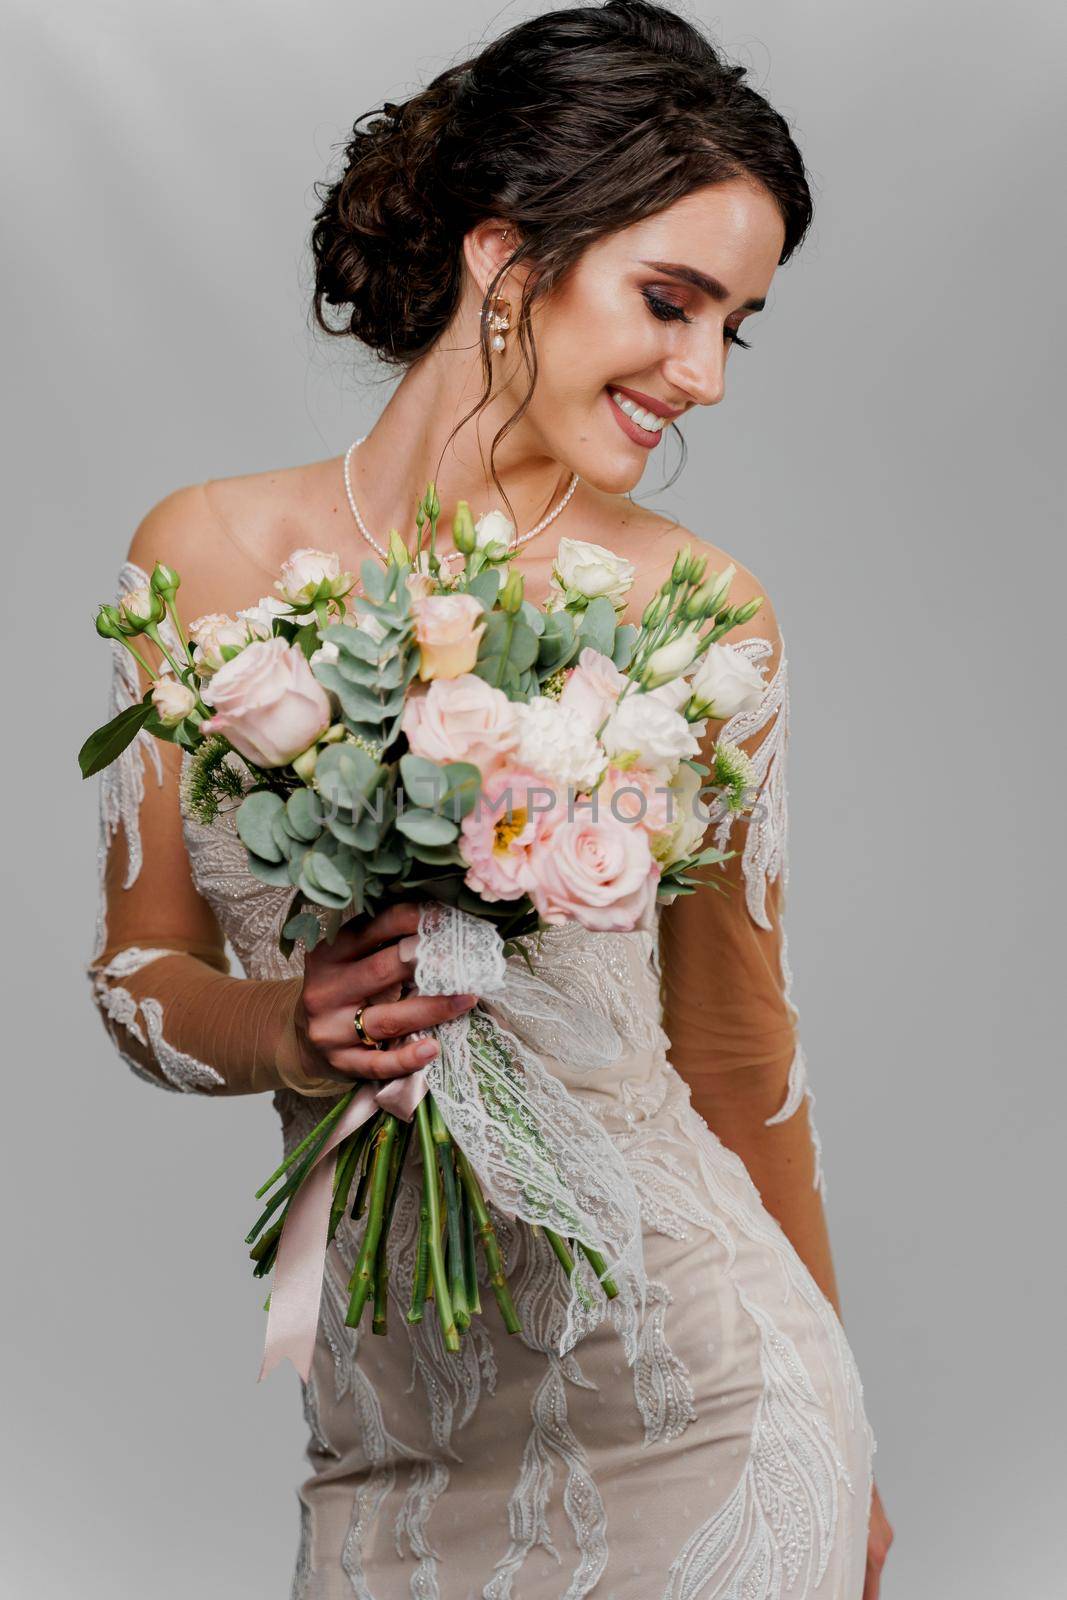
x=726 y=983
x=160 y=975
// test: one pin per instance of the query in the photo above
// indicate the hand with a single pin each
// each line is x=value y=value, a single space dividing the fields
x=364 y=967
x=879 y=1538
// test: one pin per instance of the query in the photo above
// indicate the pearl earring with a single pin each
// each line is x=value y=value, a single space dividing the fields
x=499 y=321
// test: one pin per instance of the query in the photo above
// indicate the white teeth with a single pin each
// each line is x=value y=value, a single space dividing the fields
x=644 y=419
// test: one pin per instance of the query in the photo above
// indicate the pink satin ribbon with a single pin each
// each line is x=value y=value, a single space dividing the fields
x=293 y=1318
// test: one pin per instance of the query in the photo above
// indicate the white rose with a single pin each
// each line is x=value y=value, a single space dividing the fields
x=558 y=745
x=727 y=682
x=313 y=575
x=211 y=634
x=493 y=528
x=590 y=570
x=141 y=606
x=643 y=731
x=268 y=704
x=173 y=701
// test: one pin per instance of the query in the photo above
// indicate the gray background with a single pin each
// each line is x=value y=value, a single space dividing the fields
x=888 y=460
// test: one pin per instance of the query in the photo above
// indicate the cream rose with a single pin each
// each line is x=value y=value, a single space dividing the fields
x=141 y=607
x=688 y=818
x=310 y=575
x=727 y=682
x=645 y=732
x=586 y=571
x=268 y=704
x=447 y=630
x=462 y=719
x=213 y=633
x=173 y=700
x=493 y=533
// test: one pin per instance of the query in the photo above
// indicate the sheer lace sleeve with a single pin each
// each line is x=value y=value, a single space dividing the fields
x=160 y=973
x=728 y=1009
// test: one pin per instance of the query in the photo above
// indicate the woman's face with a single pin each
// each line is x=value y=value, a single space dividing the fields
x=623 y=332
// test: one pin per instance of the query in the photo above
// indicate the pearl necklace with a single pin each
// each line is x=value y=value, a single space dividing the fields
x=371 y=540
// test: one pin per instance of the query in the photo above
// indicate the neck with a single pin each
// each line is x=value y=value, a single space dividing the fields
x=408 y=446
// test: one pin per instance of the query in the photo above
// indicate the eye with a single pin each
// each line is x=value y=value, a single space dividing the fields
x=665 y=310
x=735 y=338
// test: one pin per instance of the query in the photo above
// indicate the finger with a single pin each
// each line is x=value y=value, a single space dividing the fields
x=377 y=1064
x=351 y=983
x=359 y=938
x=334 y=1029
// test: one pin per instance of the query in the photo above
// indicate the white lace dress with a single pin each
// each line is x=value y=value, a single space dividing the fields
x=730 y=1460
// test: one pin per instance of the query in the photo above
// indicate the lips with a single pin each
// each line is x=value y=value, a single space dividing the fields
x=647 y=438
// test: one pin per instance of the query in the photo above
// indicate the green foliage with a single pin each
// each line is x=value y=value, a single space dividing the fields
x=597 y=626
x=107 y=743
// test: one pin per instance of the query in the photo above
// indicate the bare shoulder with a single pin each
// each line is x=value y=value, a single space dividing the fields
x=652 y=542
x=227 y=537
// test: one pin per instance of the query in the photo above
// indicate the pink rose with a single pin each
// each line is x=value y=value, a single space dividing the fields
x=636 y=795
x=268 y=703
x=593 y=687
x=447 y=630
x=497 y=835
x=600 y=874
x=461 y=719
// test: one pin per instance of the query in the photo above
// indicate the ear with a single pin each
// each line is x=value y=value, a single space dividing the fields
x=486 y=248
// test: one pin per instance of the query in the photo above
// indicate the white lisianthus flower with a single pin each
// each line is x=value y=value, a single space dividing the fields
x=727 y=682
x=689 y=815
x=213 y=633
x=643 y=731
x=310 y=575
x=173 y=700
x=676 y=693
x=260 y=617
x=493 y=533
x=584 y=572
x=671 y=659
x=557 y=744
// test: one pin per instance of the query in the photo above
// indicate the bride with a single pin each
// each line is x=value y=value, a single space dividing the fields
x=558 y=244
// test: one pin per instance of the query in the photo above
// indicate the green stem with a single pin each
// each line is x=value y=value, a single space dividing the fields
x=600 y=1267
x=293 y=1182
x=362 y=1279
x=449 y=1331
x=485 y=1231
x=566 y=1261
x=346 y=1171
x=470 y=1256
x=454 y=1221
x=328 y=1121
x=422 y=1264
x=381 y=1265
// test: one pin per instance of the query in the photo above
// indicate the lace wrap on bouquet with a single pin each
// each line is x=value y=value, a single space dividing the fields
x=539 y=1154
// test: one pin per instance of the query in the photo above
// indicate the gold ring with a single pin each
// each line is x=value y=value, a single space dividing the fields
x=361 y=1033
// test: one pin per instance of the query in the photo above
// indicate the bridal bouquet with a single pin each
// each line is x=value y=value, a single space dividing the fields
x=515 y=767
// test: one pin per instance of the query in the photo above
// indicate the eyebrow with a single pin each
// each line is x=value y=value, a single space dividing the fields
x=701 y=280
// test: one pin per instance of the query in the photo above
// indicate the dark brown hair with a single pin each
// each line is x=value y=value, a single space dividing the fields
x=570 y=126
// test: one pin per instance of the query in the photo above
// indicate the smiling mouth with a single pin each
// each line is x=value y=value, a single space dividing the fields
x=647 y=421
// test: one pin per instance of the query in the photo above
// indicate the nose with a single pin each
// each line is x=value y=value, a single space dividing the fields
x=699 y=369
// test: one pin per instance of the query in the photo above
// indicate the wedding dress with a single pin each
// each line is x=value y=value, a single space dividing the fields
x=717 y=1451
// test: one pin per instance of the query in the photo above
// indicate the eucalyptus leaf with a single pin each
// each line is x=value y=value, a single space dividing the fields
x=534 y=619
x=303 y=815
x=626 y=635
x=255 y=816
x=352 y=641
x=424 y=781
x=325 y=873
x=486 y=586
x=272 y=872
x=557 y=642
x=464 y=785
x=426 y=827
x=598 y=626
x=373 y=577
x=283 y=839
x=306 y=927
